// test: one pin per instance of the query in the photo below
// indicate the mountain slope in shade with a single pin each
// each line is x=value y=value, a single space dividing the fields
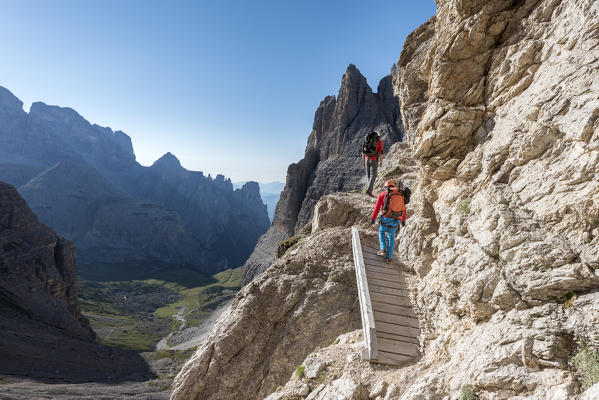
x=163 y=213
x=44 y=333
x=108 y=225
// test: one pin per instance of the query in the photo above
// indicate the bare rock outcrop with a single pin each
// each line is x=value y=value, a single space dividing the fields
x=332 y=160
x=501 y=105
x=256 y=345
x=303 y=302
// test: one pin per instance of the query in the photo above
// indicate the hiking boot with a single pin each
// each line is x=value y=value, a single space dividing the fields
x=382 y=253
x=388 y=260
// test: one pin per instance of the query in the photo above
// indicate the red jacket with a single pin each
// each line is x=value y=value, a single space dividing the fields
x=379 y=205
x=379 y=151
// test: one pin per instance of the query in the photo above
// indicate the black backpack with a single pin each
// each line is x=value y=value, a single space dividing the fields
x=406 y=194
x=369 y=144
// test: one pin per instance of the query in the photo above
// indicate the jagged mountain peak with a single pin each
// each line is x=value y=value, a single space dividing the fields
x=353 y=86
x=332 y=159
x=9 y=102
x=168 y=160
x=251 y=189
x=250 y=186
x=353 y=72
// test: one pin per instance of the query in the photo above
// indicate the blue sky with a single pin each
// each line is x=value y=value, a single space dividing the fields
x=228 y=87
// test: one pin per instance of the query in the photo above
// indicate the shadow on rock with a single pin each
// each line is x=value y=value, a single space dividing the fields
x=35 y=350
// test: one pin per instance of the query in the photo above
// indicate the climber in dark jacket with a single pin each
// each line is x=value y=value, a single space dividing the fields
x=372 y=163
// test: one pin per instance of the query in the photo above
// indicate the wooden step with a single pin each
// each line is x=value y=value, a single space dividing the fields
x=390 y=299
x=408 y=339
x=397 y=347
x=390 y=319
x=402 y=330
x=374 y=257
x=384 y=277
x=395 y=264
x=383 y=283
x=397 y=319
x=389 y=291
x=368 y=249
x=383 y=269
x=394 y=359
x=397 y=309
x=392 y=276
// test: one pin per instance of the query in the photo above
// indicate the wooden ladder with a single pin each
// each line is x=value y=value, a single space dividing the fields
x=388 y=320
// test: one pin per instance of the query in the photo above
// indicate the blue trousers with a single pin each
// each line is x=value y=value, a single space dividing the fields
x=387 y=234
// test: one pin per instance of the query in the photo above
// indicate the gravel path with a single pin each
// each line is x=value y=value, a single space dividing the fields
x=194 y=336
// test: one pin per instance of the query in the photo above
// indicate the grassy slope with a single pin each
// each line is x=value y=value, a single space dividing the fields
x=196 y=299
x=136 y=314
x=136 y=271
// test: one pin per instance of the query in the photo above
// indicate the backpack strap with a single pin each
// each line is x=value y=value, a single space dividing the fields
x=387 y=198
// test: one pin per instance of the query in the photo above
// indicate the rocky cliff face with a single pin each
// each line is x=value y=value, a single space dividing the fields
x=83 y=180
x=107 y=225
x=501 y=108
x=43 y=331
x=332 y=160
x=227 y=222
x=38 y=268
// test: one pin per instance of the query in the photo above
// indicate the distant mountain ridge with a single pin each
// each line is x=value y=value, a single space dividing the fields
x=270 y=193
x=84 y=181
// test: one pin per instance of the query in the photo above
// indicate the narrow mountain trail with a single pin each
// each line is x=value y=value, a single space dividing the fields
x=187 y=338
x=163 y=344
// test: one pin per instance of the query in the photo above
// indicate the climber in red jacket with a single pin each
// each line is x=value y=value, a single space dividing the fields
x=391 y=201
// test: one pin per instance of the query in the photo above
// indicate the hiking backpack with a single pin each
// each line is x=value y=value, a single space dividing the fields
x=394 y=203
x=369 y=145
x=406 y=194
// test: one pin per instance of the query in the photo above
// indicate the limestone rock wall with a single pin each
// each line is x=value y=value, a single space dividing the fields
x=301 y=303
x=501 y=105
